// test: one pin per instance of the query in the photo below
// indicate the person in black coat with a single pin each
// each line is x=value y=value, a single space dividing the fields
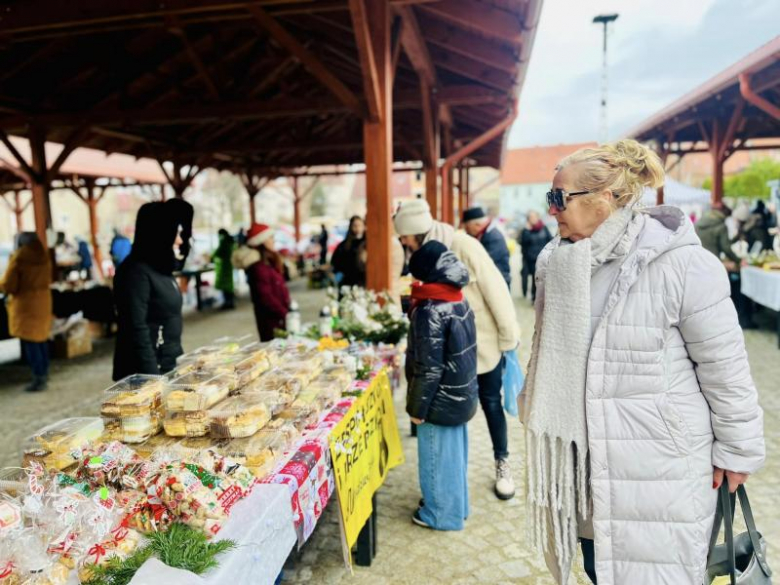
x=349 y=258
x=532 y=241
x=147 y=296
x=442 y=396
x=478 y=225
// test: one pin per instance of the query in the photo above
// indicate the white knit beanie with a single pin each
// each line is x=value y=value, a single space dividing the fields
x=413 y=218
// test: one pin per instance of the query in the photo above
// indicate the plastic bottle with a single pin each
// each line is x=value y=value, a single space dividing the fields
x=326 y=322
x=293 y=320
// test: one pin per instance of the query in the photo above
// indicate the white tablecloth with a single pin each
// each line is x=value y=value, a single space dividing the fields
x=762 y=286
x=262 y=525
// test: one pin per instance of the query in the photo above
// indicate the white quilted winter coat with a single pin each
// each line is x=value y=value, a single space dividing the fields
x=669 y=394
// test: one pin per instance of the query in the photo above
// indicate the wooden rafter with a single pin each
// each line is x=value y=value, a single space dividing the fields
x=728 y=138
x=273 y=76
x=246 y=110
x=23 y=164
x=312 y=63
x=357 y=9
x=39 y=16
x=176 y=27
x=469 y=68
x=415 y=47
x=70 y=145
x=480 y=17
x=467 y=44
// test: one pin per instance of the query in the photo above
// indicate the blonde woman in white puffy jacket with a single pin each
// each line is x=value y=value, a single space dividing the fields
x=639 y=398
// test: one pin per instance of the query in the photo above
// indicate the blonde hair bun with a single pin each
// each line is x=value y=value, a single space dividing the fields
x=625 y=168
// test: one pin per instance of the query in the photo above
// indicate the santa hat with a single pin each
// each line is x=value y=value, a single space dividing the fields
x=258 y=234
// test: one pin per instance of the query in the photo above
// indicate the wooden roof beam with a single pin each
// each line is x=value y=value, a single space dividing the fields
x=312 y=63
x=471 y=69
x=23 y=164
x=368 y=67
x=416 y=50
x=177 y=28
x=414 y=46
x=480 y=17
x=463 y=42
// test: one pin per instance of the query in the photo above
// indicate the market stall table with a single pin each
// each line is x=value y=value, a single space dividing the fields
x=96 y=302
x=763 y=287
x=284 y=509
x=197 y=274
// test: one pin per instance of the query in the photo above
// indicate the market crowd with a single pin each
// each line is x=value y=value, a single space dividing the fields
x=638 y=402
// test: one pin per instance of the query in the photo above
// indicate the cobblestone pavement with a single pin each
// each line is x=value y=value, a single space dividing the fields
x=490 y=550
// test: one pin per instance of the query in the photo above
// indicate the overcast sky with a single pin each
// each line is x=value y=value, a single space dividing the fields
x=658 y=51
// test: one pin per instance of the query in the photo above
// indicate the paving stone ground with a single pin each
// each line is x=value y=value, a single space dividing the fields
x=492 y=547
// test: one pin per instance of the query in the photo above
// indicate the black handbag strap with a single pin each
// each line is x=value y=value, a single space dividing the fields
x=719 y=515
x=725 y=514
x=755 y=538
x=726 y=502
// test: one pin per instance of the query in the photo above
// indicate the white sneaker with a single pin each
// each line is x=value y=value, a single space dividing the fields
x=505 y=486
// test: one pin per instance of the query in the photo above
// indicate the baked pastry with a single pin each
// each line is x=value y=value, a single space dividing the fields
x=187 y=424
x=197 y=391
x=238 y=416
x=57 y=446
x=135 y=395
x=259 y=453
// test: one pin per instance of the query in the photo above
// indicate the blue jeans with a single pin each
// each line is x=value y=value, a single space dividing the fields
x=37 y=356
x=443 y=464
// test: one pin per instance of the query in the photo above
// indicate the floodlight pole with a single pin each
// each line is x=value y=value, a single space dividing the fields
x=604 y=19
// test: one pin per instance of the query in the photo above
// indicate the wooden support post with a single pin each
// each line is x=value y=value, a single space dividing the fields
x=378 y=146
x=432 y=147
x=664 y=155
x=39 y=183
x=296 y=211
x=252 y=210
x=179 y=180
x=447 y=197
x=18 y=212
x=462 y=193
x=93 y=198
x=467 y=185
x=432 y=189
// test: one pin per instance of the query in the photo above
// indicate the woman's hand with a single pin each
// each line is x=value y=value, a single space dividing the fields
x=735 y=479
x=417 y=421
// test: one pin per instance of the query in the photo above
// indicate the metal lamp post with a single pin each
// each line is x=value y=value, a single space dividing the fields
x=604 y=19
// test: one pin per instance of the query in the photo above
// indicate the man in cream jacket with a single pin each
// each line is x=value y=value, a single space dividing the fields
x=497 y=329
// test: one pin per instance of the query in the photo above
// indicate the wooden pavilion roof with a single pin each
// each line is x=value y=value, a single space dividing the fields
x=690 y=118
x=265 y=83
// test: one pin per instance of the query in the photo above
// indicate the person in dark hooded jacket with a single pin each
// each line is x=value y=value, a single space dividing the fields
x=532 y=241
x=442 y=396
x=147 y=296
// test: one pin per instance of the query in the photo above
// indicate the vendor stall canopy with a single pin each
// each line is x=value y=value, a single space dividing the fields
x=723 y=115
x=272 y=84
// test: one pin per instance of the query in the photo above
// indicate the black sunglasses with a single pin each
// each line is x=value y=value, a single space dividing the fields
x=557 y=198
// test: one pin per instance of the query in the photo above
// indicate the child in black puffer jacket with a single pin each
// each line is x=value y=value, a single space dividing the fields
x=441 y=367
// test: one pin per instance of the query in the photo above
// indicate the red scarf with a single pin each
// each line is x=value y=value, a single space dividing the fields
x=435 y=291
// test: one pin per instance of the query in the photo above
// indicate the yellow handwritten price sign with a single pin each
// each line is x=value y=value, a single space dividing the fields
x=364 y=446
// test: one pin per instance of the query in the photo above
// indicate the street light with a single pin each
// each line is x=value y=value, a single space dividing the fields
x=604 y=19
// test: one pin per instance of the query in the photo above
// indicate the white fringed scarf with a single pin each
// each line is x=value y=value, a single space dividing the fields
x=553 y=401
